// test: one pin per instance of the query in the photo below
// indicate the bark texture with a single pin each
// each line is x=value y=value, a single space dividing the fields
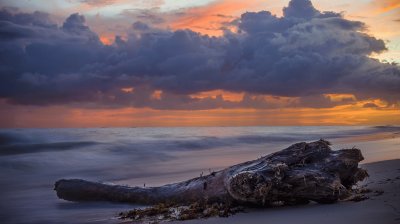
x=300 y=173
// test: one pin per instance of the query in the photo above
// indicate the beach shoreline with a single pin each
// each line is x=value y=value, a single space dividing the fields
x=122 y=156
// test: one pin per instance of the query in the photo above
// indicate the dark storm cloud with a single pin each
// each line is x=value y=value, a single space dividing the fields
x=306 y=53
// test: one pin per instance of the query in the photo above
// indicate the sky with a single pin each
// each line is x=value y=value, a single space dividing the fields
x=134 y=63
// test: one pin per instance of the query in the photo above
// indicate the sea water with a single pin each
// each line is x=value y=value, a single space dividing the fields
x=31 y=160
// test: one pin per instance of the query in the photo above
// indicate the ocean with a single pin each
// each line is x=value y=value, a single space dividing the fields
x=31 y=160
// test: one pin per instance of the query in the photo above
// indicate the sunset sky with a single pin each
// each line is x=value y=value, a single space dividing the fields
x=129 y=63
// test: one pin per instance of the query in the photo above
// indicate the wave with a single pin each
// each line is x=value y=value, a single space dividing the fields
x=207 y=142
x=33 y=141
x=8 y=138
x=15 y=149
x=389 y=128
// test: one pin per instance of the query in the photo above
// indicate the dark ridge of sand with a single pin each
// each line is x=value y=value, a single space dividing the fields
x=379 y=209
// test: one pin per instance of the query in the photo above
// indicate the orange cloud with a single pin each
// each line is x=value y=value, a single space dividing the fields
x=210 y=18
x=107 y=39
x=226 y=95
x=157 y=95
x=128 y=90
x=340 y=97
x=382 y=6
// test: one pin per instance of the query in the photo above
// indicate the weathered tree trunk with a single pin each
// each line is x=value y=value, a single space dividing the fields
x=298 y=174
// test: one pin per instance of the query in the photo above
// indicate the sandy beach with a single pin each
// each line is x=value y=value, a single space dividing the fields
x=378 y=209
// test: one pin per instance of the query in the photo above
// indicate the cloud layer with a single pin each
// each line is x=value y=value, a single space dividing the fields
x=304 y=54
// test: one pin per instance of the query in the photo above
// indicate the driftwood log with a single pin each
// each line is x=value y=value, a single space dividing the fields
x=298 y=174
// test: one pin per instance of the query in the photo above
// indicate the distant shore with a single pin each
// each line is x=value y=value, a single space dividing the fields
x=378 y=209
